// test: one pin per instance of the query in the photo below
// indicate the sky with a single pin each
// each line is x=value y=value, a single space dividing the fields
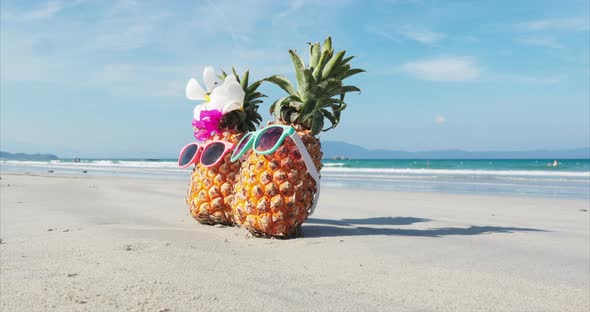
x=106 y=79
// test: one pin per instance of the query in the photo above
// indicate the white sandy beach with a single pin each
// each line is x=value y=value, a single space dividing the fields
x=124 y=244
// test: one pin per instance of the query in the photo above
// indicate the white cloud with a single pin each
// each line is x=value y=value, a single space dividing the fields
x=542 y=41
x=125 y=26
x=413 y=33
x=292 y=7
x=531 y=79
x=421 y=35
x=540 y=80
x=380 y=32
x=580 y=23
x=296 y=5
x=30 y=58
x=440 y=119
x=449 y=69
x=49 y=10
x=151 y=80
x=141 y=80
x=128 y=38
x=215 y=19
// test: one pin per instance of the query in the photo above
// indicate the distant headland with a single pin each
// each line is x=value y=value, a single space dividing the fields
x=341 y=150
x=23 y=156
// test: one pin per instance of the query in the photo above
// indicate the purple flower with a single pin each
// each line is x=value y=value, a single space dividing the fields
x=207 y=125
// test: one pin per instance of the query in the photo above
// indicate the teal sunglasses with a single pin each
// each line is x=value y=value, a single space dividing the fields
x=268 y=140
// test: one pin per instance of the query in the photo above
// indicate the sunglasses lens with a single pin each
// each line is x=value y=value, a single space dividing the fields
x=188 y=155
x=241 y=145
x=268 y=139
x=212 y=154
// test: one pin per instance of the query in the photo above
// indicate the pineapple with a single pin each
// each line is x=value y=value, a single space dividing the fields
x=274 y=193
x=210 y=189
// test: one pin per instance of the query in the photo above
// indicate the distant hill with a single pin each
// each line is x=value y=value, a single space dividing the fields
x=334 y=149
x=23 y=156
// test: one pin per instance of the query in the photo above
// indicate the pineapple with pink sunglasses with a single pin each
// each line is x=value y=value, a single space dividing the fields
x=228 y=110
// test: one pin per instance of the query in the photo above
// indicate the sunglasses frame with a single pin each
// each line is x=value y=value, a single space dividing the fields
x=288 y=131
x=199 y=153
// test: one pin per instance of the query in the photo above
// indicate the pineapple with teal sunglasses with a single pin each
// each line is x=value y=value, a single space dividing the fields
x=267 y=140
x=276 y=189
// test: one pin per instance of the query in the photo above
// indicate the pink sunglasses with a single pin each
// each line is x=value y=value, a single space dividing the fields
x=208 y=155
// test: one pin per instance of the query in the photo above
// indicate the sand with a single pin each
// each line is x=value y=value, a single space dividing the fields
x=125 y=244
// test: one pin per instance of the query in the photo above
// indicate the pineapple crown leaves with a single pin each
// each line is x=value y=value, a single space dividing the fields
x=247 y=119
x=320 y=91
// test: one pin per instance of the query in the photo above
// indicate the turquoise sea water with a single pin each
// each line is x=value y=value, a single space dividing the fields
x=576 y=165
x=518 y=177
x=515 y=177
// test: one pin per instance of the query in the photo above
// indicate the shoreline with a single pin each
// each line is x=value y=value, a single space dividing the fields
x=330 y=182
x=120 y=243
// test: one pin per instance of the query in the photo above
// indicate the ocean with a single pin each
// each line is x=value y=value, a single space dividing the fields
x=512 y=177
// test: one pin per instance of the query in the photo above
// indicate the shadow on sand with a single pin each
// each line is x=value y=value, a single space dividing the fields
x=357 y=227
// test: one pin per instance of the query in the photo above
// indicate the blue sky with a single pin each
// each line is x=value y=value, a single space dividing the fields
x=106 y=78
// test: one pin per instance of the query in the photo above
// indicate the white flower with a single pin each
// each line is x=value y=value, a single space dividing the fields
x=225 y=98
x=194 y=91
x=197 y=110
x=228 y=97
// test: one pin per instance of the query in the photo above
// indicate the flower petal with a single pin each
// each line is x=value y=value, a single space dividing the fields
x=229 y=78
x=210 y=79
x=216 y=102
x=233 y=91
x=227 y=97
x=201 y=135
x=232 y=107
x=194 y=91
x=207 y=124
x=197 y=111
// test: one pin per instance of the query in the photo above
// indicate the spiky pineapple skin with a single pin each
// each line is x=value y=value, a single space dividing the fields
x=210 y=190
x=274 y=192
